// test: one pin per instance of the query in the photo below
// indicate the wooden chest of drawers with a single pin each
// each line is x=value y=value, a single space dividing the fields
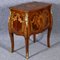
x=30 y=18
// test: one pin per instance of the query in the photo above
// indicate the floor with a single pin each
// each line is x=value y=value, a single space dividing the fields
x=37 y=51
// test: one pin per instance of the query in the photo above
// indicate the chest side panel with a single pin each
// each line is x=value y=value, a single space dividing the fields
x=17 y=22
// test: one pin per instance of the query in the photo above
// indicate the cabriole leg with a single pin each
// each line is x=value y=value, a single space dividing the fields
x=34 y=36
x=12 y=41
x=27 y=47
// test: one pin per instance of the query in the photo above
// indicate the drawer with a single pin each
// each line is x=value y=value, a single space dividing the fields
x=39 y=20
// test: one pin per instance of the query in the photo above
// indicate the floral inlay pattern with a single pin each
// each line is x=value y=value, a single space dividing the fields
x=17 y=20
x=39 y=20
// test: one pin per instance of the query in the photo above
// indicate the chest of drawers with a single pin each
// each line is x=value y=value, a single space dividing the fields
x=30 y=18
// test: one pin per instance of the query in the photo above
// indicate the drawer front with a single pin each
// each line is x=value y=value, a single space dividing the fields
x=39 y=20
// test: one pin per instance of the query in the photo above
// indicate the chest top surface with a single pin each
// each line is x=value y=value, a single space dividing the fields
x=30 y=6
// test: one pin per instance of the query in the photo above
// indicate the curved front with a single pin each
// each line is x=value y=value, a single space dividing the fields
x=39 y=20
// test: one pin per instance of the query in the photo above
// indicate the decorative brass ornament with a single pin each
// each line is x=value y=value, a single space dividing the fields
x=16 y=21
